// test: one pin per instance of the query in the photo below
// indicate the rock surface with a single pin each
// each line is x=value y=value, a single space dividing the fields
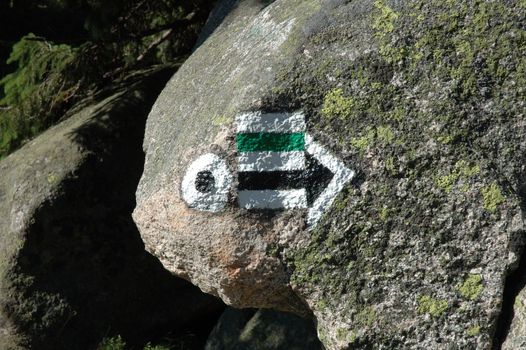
x=72 y=265
x=262 y=329
x=423 y=100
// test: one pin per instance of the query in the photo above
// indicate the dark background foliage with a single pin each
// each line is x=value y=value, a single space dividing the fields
x=54 y=53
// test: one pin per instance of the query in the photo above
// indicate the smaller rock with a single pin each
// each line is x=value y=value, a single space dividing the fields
x=239 y=329
x=516 y=337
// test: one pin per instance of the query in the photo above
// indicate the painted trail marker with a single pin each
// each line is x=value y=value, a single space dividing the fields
x=279 y=167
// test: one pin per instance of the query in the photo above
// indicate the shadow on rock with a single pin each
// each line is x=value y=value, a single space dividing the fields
x=82 y=272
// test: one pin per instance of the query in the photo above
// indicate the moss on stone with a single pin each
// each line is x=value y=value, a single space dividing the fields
x=472 y=287
x=345 y=335
x=361 y=143
x=365 y=317
x=222 y=119
x=431 y=306
x=462 y=170
x=492 y=196
x=518 y=305
x=384 y=21
x=473 y=331
x=446 y=182
x=336 y=105
x=390 y=165
x=383 y=214
x=385 y=134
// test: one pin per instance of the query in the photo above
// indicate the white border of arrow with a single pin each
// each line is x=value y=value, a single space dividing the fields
x=342 y=175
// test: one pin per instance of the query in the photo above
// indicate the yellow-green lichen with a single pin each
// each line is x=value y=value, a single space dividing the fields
x=340 y=203
x=222 y=119
x=365 y=317
x=344 y=335
x=385 y=134
x=492 y=196
x=472 y=287
x=52 y=178
x=431 y=306
x=390 y=165
x=445 y=139
x=321 y=305
x=385 y=19
x=364 y=141
x=322 y=335
x=397 y=114
x=383 y=214
x=518 y=306
x=473 y=331
x=337 y=105
x=462 y=170
x=446 y=182
x=466 y=170
x=382 y=134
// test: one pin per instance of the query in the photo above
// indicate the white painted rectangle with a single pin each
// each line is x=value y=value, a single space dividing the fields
x=271 y=122
x=271 y=161
x=273 y=199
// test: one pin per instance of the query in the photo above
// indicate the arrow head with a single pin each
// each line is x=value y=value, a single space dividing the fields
x=315 y=178
x=341 y=175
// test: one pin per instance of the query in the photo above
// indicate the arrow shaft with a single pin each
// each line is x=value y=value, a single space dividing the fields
x=273 y=199
x=276 y=180
x=271 y=161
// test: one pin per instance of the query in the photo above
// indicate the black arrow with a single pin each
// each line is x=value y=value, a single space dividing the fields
x=314 y=178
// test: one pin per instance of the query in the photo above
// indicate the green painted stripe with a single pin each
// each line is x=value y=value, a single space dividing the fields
x=253 y=142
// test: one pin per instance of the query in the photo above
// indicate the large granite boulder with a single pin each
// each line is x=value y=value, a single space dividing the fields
x=361 y=162
x=73 y=268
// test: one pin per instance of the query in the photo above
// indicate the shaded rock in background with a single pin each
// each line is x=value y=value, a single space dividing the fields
x=516 y=337
x=243 y=329
x=511 y=331
x=72 y=265
x=425 y=100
